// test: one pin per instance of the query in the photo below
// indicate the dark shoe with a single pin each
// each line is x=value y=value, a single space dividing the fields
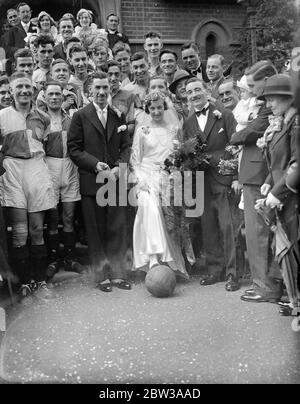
x=104 y=287
x=73 y=266
x=232 y=284
x=210 y=280
x=259 y=299
x=122 y=285
x=285 y=311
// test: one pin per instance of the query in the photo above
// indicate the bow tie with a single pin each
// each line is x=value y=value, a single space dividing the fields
x=203 y=112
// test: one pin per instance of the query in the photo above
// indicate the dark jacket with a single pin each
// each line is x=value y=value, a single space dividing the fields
x=59 y=52
x=216 y=135
x=89 y=143
x=253 y=166
x=15 y=39
x=116 y=37
x=281 y=154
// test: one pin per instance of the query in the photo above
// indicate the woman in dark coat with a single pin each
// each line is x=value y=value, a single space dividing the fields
x=279 y=143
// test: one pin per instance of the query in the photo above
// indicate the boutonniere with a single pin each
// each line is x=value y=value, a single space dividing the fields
x=146 y=130
x=119 y=34
x=217 y=114
x=122 y=128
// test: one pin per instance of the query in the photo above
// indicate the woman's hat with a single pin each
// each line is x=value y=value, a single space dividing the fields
x=179 y=75
x=279 y=84
x=243 y=83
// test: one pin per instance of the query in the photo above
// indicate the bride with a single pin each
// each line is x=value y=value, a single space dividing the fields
x=153 y=244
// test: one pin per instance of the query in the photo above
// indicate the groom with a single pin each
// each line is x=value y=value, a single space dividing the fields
x=215 y=129
x=96 y=144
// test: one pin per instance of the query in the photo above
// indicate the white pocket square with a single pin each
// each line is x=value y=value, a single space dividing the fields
x=221 y=130
x=122 y=128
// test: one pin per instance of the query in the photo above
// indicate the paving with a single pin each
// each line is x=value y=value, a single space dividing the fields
x=198 y=335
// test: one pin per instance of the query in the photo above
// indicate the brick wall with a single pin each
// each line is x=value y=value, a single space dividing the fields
x=176 y=20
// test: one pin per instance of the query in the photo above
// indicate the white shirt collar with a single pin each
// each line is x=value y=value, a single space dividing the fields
x=112 y=32
x=25 y=25
x=98 y=109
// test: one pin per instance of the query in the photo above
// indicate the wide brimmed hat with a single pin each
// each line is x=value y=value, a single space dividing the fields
x=179 y=75
x=279 y=84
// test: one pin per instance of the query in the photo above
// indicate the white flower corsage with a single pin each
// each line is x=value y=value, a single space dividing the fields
x=217 y=114
x=122 y=128
x=146 y=130
x=117 y=111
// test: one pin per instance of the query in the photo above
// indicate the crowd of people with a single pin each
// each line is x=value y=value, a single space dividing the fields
x=77 y=106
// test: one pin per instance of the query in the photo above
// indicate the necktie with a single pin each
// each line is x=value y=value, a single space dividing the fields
x=203 y=112
x=102 y=118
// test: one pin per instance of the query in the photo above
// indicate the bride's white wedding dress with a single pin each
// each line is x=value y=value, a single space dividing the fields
x=151 y=242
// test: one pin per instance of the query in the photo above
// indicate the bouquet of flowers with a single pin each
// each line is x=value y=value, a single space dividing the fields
x=189 y=155
x=229 y=166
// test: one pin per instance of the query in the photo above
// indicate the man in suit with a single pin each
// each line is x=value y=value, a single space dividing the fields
x=17 y=34
x=252 y=174
x=113 y=36
x=190 y=55
x=96 y=143
x=66 y=30
x=214 y=129
x=215 y=72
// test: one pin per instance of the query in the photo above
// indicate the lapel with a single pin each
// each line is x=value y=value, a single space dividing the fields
x=110 y=124
x=278 y=135
x=92 y=116
x=211 y=120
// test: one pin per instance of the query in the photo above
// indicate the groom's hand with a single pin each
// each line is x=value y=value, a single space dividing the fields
x=101 y=166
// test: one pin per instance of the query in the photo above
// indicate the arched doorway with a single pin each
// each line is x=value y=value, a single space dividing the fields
x=212 y=36
x=210 y=44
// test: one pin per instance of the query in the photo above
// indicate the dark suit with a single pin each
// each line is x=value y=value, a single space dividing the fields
x=15 y=38
x=253 y=173
x=89 y=143
x=59 y=52
x=116 y=37
x=282 y=151
x=217 y=222
x=201 y=69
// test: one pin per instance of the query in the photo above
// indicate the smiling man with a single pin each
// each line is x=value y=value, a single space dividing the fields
x=121 y=99
x=65 y=180
x=140 y=84
x=214 y=129
x=122 y=57
x=5 y=96
x=27 y=186
x=153 y=46
x=44 y=45
x=228 y=94
x=168 y=63
x=95 y=144
x=215 y=72
x=66 y=30
x=79 y=61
